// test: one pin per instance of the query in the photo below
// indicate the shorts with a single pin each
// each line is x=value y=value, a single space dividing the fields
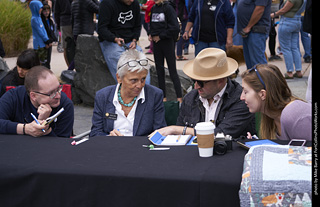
x=66 y=31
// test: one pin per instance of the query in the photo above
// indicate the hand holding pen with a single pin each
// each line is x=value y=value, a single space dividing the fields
x=35 y=128
x=36 y=120
x=249 y=136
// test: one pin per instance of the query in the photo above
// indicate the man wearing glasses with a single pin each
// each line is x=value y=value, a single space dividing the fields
x=215 y=97
x=41 y=95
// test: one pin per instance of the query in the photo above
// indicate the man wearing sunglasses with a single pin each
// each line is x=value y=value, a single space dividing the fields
x=215 y=97
x=41 y=96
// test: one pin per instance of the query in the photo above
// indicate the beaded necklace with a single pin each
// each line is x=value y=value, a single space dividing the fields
x=121 y=101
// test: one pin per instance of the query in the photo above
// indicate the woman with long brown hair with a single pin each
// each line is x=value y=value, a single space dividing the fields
x=284 y=116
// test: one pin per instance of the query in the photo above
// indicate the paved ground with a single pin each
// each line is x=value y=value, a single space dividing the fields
x=83 y=114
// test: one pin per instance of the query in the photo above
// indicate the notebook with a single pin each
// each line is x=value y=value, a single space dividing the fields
x=53 y=117
x=171 y=140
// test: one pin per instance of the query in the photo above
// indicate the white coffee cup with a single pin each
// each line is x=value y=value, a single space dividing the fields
x=205 y=138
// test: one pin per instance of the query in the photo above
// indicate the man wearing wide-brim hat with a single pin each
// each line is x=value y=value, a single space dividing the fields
x=215 y=97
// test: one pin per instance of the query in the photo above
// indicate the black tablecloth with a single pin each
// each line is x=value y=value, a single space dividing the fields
x=114 y=171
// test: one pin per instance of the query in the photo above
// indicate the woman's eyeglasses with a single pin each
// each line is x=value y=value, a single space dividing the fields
x=134 y=63
x=259 y=76
x=53 y=94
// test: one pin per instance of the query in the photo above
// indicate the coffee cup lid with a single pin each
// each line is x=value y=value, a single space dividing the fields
x=204 y=126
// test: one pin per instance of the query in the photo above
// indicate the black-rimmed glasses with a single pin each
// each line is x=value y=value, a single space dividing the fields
x=53 y=94
x=134 y=63
x=259 y=76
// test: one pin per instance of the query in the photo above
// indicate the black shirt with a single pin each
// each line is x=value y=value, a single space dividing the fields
x=207 y=21
x=116 y=19
x=163 y=21
x=11 y=79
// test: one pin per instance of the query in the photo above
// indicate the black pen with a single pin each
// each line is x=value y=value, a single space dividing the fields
x=185 y=128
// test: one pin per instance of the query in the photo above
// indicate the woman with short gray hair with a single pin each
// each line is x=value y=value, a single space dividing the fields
x=132 y=60
x=130 y=108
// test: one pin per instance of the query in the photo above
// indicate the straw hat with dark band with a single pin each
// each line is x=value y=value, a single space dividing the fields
x=210 y=64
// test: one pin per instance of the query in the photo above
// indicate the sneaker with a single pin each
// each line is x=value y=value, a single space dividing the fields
x=307 y=59
x=149 y=52
x=186 y=51
x=60 y=48
x=274 y=57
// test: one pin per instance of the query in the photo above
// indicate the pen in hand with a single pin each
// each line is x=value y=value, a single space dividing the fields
x=36 y=120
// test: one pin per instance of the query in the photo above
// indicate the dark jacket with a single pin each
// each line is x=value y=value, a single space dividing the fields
x=16 y=107
x=224 y=19
x=181 y=10
x=307 y=21
x=117 y=19
x=232 y=116
x=49 y=28
x=163 y=21
x=82 y=16
x=62 y=13
x=148 y=117
x=11 y=79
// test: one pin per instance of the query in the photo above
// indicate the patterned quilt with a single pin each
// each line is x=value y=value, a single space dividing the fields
x=277 y=176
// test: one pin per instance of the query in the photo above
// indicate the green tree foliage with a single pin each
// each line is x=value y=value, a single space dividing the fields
x=15 y=26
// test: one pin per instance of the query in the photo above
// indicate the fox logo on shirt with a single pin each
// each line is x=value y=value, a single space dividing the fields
x=125 y=16
x=158 y=17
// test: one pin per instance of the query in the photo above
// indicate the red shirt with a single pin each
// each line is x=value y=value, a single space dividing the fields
x=149 y=5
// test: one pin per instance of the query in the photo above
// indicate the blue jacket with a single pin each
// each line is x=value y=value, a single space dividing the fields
x=224 y=19
x=16 y=107
x=148 y=117
x=38 y=30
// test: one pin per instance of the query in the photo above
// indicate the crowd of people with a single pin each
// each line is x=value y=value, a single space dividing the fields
x=133 y=107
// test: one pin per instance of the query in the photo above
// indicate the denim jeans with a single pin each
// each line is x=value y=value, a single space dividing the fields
x=306 y=41
x=111 y=52
x=182 y=42
x=202 y=45
x=289 y=39
x=254 y=46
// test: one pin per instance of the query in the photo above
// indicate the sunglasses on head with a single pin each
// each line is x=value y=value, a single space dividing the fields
x=258 y=74
x=134 y=63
